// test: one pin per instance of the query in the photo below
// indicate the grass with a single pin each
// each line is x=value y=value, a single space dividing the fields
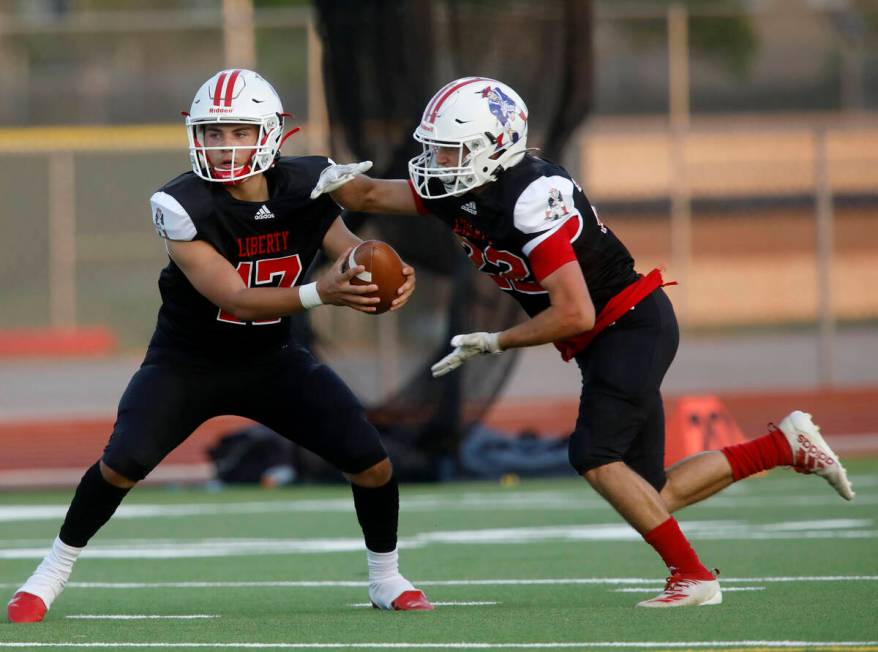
x=798 y=564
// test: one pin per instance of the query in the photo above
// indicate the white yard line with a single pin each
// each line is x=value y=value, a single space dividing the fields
x=309 y=584
x=724 y=530
x=516 y=501
x=462 y=645
x=140 y=617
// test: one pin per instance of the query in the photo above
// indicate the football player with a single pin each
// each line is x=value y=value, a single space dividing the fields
x=240 y=230
x=526 y=222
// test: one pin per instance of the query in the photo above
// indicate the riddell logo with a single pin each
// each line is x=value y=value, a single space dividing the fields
x=215 y=109
x=822 y=458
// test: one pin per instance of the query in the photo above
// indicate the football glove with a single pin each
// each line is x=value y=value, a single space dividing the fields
x=335 y=176
x=467 y=346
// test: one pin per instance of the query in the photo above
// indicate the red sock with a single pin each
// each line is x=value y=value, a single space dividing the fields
x=761 y=454
x=675 y=550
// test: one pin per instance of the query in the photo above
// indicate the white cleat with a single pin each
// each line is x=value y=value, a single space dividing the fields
x=682 y=591
x=811 y=453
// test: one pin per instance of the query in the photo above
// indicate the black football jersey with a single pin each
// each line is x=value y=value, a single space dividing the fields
x=524 y=226
x=271 y=244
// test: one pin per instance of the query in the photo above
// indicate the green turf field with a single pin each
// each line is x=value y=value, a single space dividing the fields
x=537 y=565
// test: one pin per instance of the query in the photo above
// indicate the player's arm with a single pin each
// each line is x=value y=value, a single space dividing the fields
x=351 y=189
x=370 y=195
x=215 y=278
x=339 y=240
x=554 y=264
x=571 y=311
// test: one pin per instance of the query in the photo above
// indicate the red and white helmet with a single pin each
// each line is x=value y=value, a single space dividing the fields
x=229 y=97
x=485 y=120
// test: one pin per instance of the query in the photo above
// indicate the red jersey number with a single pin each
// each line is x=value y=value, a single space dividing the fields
x=277 y=272
x=511 y=270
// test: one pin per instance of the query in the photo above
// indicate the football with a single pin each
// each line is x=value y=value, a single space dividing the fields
x=383 y=268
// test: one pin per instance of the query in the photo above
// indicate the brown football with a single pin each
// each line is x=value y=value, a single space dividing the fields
x=383 y=268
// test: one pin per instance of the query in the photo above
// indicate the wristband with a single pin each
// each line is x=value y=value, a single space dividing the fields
x=309 y=297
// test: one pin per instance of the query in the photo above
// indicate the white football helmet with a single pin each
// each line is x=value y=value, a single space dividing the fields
x=484 y=120
x=236 y=96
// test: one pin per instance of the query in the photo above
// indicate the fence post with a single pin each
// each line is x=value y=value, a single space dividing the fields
x=825 y=245
x=239 y=40
x=62 y=240
x=678 y=107
x=318 y=117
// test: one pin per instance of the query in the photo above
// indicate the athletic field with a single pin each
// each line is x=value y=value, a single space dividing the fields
x=531 y=565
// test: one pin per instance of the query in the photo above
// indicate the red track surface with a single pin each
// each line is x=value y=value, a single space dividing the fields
x=844 y=415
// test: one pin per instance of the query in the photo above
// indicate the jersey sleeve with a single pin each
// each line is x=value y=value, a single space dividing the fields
x=419 y=203
x=546 y=214
x=170 y=219
x=302 y=172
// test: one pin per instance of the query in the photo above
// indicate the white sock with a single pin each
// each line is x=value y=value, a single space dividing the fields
x=385 y=582
x=382 y=565
x=51 y=575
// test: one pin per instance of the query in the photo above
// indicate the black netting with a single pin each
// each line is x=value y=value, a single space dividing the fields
x=383 y=60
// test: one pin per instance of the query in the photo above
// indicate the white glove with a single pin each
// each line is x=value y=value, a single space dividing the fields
x=467 y=346
x=335 y=176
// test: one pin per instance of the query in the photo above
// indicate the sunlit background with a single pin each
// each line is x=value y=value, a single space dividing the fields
x=734 y=143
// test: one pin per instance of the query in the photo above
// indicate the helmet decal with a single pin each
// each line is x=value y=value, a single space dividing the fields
x=224 y=91
x=439 y=99
x=507 y=113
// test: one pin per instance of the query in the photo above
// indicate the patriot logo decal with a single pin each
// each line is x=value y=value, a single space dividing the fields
x=556 y=206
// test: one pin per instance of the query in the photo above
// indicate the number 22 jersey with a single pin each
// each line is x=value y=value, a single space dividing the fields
x=531 y=221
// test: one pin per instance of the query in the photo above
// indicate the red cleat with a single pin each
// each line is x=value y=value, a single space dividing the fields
x=412 y=601
x=27 y=608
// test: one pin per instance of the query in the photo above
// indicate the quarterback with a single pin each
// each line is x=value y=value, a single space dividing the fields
x=240 y=230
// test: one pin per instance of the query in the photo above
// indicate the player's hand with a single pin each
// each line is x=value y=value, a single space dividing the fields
x=335 y=176
x=335 y=287
x=467 y=346
x=405 y=290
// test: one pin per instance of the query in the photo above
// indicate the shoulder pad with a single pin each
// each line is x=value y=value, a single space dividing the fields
x=170 y=218
x=544 y=203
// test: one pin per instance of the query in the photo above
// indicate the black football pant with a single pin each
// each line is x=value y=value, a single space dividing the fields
x=290 y=392
x=621 y=417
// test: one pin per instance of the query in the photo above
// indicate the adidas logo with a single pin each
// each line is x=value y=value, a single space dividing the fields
x=263 y=213
x=469 y=207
